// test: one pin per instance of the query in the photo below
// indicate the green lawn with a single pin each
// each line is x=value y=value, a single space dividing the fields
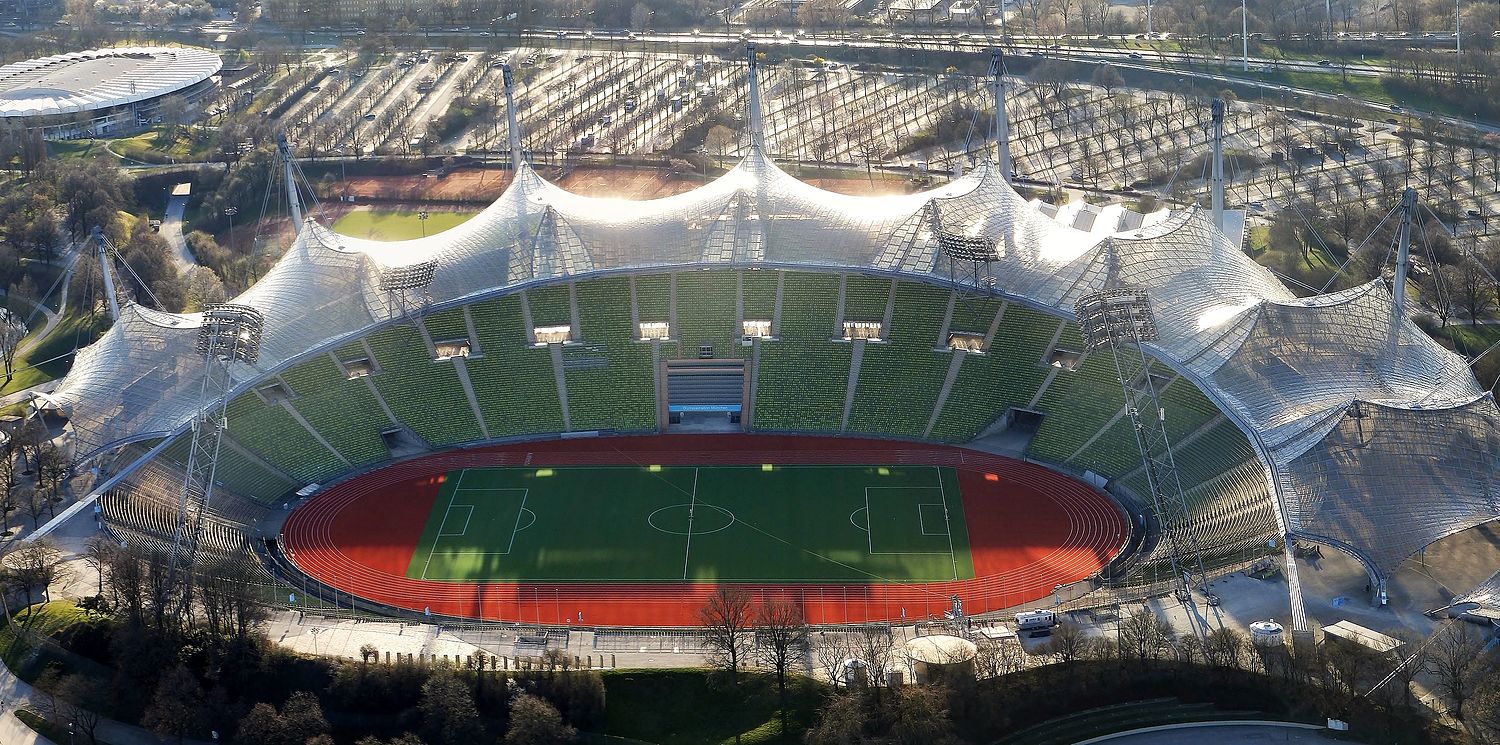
x=1470 y=339
x=390 y=225
x=662 y=524
x=29 y=625
x=49 y=359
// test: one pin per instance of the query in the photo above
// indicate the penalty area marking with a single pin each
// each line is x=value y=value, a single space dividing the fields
x=870 y=522
x=443 y=527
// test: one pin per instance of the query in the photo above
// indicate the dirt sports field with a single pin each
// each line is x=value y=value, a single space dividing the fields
x=637 y=531
x=482 y=186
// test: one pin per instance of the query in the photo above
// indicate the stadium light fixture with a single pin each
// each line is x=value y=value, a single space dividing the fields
x=413 y=277
x=231 y=333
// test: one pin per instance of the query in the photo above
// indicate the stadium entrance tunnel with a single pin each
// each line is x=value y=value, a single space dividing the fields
x=639 y=531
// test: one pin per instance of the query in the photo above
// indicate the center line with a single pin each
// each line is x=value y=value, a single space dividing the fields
x=692 y=505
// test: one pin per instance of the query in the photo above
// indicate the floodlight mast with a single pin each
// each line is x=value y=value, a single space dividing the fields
x=406 y=286
x=228 y=334
x=1121 y=321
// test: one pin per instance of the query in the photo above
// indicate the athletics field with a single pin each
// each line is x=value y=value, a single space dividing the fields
x=639 y=530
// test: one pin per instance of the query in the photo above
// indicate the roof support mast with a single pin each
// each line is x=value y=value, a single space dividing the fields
x=757 y=128
x=1217 y=198
x=101 y=245
x=1002 y=121
x=1403 y=258
x=516 y=156
x=290 y=167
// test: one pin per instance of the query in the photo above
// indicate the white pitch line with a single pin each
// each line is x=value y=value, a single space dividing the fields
x=692 y=505
x=946 y=522
x=439 y=537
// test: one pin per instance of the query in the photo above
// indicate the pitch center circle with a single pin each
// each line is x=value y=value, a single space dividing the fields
x=702 y=518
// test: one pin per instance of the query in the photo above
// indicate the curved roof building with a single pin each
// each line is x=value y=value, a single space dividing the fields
x=98 y=81
x=1370 y=436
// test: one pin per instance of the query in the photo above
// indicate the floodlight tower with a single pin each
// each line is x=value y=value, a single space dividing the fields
x=405 y=287
x=1002 y=120
x=1216 y=199
x=969 y=256
x=229 y=334
x=1120 y=320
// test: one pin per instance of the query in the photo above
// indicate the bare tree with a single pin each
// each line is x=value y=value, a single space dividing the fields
x=12 y=331
x=97 y=553
x=727 y=619
x=1457 y=664
x=781 y=637
x=1143 y=634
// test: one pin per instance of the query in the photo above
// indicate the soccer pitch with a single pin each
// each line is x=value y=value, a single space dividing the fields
x=865 y=524
x=389 y=225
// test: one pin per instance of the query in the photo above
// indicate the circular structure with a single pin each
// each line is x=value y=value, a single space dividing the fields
x=575 y=531
x=102 y=91
x=1266 y=634
x=935 y=658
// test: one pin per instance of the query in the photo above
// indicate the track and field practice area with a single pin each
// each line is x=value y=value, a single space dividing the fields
x=638 y=530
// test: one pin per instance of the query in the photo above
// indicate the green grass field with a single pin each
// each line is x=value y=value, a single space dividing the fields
x=728 y=524
x=389 y=225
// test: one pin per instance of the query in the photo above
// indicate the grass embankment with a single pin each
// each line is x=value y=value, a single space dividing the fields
x=394 y=225
x=48 y=359
x=693 y=707
x=190 y=144
x=29 y=626
x=1469 y=340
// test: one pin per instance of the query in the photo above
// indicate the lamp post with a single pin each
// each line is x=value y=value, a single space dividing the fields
x=422 y=218
x=230 y=212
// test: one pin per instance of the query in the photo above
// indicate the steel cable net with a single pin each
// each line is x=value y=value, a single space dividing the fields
x=1390 y=480
x=1283 y=369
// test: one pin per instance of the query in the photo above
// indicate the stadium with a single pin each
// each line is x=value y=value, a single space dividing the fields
x=584 y=410
x=102 y=92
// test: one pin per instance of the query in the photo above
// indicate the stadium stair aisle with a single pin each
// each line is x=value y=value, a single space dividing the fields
x=343 y=411
x=267 y=429
x=611 y=383
x=803 y=375
x=899 y=380
x=424 y=394
x=1007 y=375
x=512 y=379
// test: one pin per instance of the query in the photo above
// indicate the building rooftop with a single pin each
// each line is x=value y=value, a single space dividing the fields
x=100 y=79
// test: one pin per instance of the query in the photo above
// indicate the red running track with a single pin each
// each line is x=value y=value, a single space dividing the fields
x=1030 y=529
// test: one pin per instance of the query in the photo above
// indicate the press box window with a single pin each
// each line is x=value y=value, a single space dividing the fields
x=1065 y=359
x=357 y=368
x=966 y=342
x=871 y=330
x=448 y=349
x=655 y=330
x=552 y=335
x=756 y=329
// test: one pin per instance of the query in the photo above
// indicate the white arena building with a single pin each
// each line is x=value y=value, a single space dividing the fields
x=102 y=92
